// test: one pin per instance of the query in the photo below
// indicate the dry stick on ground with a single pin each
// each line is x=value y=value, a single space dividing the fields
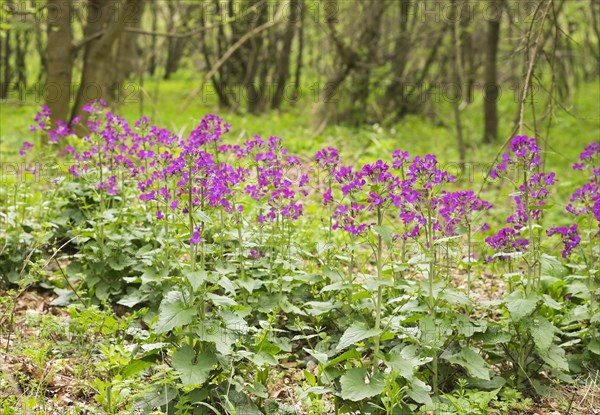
x=519 y=126
x=277 y=20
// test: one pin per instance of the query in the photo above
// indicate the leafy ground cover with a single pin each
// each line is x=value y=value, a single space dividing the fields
x=207 y=270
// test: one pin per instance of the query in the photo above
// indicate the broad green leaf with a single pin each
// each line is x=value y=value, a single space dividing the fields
x=402 y=366
x=386 y=234
x=263 y=359
x=196 y=278
x=419 y=392
x=358 y=385
x=473 y=362
x=594 y=346
x=227 y=285
x=212 y=331
x=249 y=284
x=136 y=366
x=405 y=361
x=555 y=357
x=519 y=307
x=221 y=300
x=158 y=395
x=316 y=308
x=356 y=332
x=551 y=302
x=173 y=313
x=133 y=298
x=317 y=390
x=193 y=369
x=542 y=331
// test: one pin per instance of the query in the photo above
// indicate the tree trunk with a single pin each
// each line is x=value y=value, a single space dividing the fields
x=126 y=58
x=491 y=88
x=108 y=18
x=300 y=52
x=5 y=83
x=21 y=45
x=59 y=59
x=283 y=61
x=459 y=79
x=152 y=64
x=393 y=97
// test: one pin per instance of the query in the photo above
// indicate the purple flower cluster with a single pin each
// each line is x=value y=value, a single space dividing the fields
x=507 y=240
x=584 y=201
x=587 y=156
x=407 y=189
x=570 y=237
x=457 y=207
x=524 y=153
x=175 y=174
x=537 y=190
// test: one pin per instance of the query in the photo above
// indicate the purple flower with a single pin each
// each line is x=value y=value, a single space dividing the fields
x=254 y=254
x=507 y=240
x=456 y=209
x=570 y=237
x=524 y=152
x=589 y=152
x=328 y=158
x=195 y=239
x=24 y=147
x=95 y=106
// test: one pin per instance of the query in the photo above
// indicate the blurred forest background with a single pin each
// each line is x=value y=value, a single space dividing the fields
x=336 y=62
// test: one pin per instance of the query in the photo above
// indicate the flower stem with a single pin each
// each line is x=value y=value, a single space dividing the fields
x=379 y=288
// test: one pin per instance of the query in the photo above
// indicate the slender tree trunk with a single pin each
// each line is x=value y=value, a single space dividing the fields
x=59 y=58
x=300 y=52
x=369 y=40
x=394 y=92
x=98 y=59
x=5 y=84
x=126 y=57
x=490 y=106
x=21 y=45
x=283 y=62
x=152 y=64
x=458 y=77
x=43 y=71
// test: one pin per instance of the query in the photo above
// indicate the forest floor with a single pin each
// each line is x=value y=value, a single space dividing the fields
x=51 y=367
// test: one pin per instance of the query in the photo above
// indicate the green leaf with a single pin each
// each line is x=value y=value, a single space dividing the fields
x=551 y=302
x=542 y=331
x=594 y=346
x=405 y=361
x=357 y=385
x=119 y=262
x=555 y=357
x=196 y=278
x=386 y=234
x=173 y=313
x=347 y=355
x=221 y=300
x=520 y=307
x=419 y=392
x=133 y=298
x=473 y=362
x=193 y=369
x=356 y=332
